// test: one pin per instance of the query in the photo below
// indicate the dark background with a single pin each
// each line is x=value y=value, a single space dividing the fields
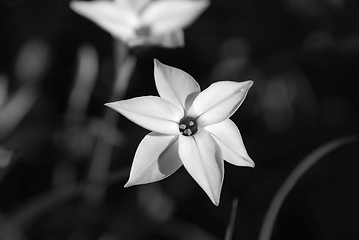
x=303 y=56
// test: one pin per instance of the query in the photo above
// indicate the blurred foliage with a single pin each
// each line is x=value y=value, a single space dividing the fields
x=303 y=57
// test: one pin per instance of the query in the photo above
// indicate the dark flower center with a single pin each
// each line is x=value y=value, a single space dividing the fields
x=143 y=31
x=188 y=126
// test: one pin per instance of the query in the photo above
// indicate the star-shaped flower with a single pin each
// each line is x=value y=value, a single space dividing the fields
x=189 y=128
x=139 y=22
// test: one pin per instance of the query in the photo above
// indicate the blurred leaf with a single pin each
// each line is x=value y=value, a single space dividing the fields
x=32 y=61
x=86 y=74
x=16 y=108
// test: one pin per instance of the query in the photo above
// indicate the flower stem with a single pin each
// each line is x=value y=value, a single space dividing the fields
x=293 y=178
x=230 y=227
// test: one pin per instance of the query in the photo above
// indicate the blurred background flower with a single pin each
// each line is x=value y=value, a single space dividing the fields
x=143 y=22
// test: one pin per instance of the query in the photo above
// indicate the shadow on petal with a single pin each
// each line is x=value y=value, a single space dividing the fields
x=169 y=159
x=156 y=158
x=189 y=100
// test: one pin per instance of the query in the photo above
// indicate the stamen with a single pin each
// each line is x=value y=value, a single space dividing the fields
x=187 y=132
x=188 y=126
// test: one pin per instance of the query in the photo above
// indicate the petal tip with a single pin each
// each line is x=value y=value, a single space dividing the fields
x=76 y=5
x=128 y=184
x=215 y=200
x=252 y=165
x=157 y=63
x=72 y=3
x=110 y=105
x=206 y=4
x=203 y=4
x=250 y=83
x=249 y=162
x=246 y=85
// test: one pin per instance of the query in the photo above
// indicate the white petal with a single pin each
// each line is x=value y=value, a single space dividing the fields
x=218 y=102
x=156 y=158
x=119 y=21
x=169 y=15
x=175 y=85
x=202 y=158
x=230 y=140
x=137 y=5
x=150 y=112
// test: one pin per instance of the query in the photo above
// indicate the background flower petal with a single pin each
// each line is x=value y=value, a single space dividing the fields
x=175 y=85
x=156 y=158
x=218 y=102
x=117 y=20
x=137 y=5
x=202 y=158
x=167 y=16
x=230 y=141
x=150 y=112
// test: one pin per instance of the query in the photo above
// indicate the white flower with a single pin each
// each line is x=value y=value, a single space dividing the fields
x=139 y=22
x=188 y=127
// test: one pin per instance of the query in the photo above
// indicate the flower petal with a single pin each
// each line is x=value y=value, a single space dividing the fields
x=230 y=141
x=137 y=5
x=156 y=158
x=167 y=16
x=202 y=158
x=150 y=112
x=175 y=85
x=118 y=20
x=218 y=102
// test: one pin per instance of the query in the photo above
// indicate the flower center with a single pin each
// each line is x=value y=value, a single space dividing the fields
x=188 y=126
x=143 y=31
